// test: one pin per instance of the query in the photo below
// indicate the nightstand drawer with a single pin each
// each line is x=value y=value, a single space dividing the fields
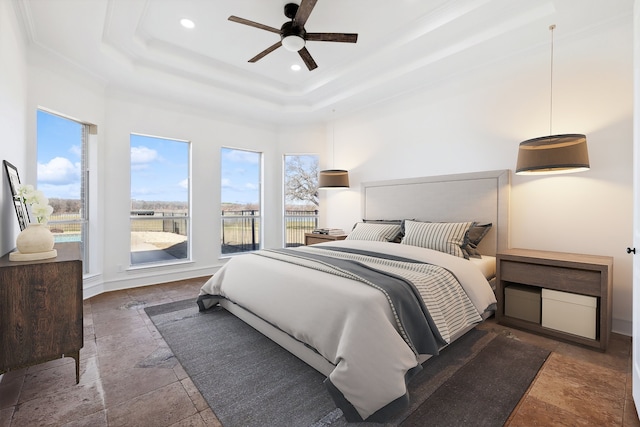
x=313 y=238
x=560 y=278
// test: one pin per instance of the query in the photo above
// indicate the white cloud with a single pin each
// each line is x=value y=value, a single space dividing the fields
x=241 y=156
x=143 y=154
x=142 y=193
x=63 y=191
x=59 y=171
x=76 y=150
x=184 y=184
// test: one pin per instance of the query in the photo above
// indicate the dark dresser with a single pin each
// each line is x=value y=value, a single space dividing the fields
x=41 y=309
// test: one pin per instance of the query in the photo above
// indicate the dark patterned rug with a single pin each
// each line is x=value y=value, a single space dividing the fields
x=248 y=380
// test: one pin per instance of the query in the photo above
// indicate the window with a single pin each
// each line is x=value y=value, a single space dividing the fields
x=241 y=200
x=300 y=197
x=63 y=177
x=159 y=200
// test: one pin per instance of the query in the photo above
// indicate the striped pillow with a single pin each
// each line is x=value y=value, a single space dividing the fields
x=375 y=232
x=447 y=237
x=399 y=222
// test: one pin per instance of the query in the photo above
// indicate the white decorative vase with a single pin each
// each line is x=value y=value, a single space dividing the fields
x=33 y=243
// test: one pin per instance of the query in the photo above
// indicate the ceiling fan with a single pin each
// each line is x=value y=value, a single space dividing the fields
x=293 y=35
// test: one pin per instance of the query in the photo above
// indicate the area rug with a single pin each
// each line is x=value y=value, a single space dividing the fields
x=249 y=381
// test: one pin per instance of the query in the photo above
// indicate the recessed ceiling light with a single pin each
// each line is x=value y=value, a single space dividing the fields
x=296 y=67
x=187 y=23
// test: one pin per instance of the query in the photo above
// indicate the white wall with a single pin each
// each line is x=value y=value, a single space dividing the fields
x=126 y=114
x=13 y=116
x=117 y=114
x=635 y=350
x=475 y=122
x=60 y=88
x=471 y=122
x=71 y=93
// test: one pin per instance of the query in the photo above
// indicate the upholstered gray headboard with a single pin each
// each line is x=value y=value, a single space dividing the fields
x=477 y=196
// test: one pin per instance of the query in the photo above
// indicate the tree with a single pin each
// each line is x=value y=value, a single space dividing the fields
x=301 y=179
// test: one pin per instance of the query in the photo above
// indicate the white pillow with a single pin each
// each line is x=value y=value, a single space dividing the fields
x=447 y=237
x=375 y=232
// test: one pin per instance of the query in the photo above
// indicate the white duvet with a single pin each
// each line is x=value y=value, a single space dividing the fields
x=349 y=323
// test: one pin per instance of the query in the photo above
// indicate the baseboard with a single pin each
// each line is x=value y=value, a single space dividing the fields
x=622 y=326
x=96 y=285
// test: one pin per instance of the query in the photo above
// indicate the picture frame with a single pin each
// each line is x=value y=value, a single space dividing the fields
x=14 y=184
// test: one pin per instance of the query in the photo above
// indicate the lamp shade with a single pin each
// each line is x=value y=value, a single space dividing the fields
x=333 y=178
x=553 y=154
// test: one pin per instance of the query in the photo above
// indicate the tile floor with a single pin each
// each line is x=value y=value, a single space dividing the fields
x=129 y=377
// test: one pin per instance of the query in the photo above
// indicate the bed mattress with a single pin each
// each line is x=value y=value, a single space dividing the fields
x=350 y=323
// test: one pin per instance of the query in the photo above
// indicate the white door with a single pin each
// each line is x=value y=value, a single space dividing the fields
x=636 y=207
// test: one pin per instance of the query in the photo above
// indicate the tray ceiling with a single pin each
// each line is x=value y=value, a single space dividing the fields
x=139 y=46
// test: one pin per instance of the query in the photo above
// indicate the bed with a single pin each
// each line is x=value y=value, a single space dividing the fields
x=366 y=311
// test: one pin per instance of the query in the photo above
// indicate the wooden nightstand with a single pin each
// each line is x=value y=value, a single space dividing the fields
x=313 y=238
x=576 y=275
x=41 y=309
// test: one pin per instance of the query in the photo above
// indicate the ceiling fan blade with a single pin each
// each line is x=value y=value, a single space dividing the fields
x=304 y=10
x=308 y=60
x=265 y=52
x=332 y=37
x=253 y=24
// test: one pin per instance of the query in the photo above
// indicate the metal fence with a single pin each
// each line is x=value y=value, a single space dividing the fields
x=65 y=223
x=158 y=221
x=241 y=229
x=297 y=223
x=68 y=227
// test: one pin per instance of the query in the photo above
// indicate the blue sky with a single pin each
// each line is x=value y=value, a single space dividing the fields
x=240 y=176
x=159 y=167
x=59 y=156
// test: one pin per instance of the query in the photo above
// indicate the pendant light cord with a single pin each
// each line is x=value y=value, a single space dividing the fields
x=551 y=27
x=333 y=140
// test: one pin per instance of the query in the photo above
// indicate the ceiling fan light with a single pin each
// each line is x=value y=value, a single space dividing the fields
x=187 y=23
x=293 y=43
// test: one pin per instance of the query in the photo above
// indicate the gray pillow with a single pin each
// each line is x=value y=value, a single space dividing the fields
x=473 y=238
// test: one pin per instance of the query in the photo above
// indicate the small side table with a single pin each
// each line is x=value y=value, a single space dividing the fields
x=588 y=275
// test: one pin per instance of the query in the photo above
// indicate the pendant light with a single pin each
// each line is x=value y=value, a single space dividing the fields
x=333 y=178
x=554 y=153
